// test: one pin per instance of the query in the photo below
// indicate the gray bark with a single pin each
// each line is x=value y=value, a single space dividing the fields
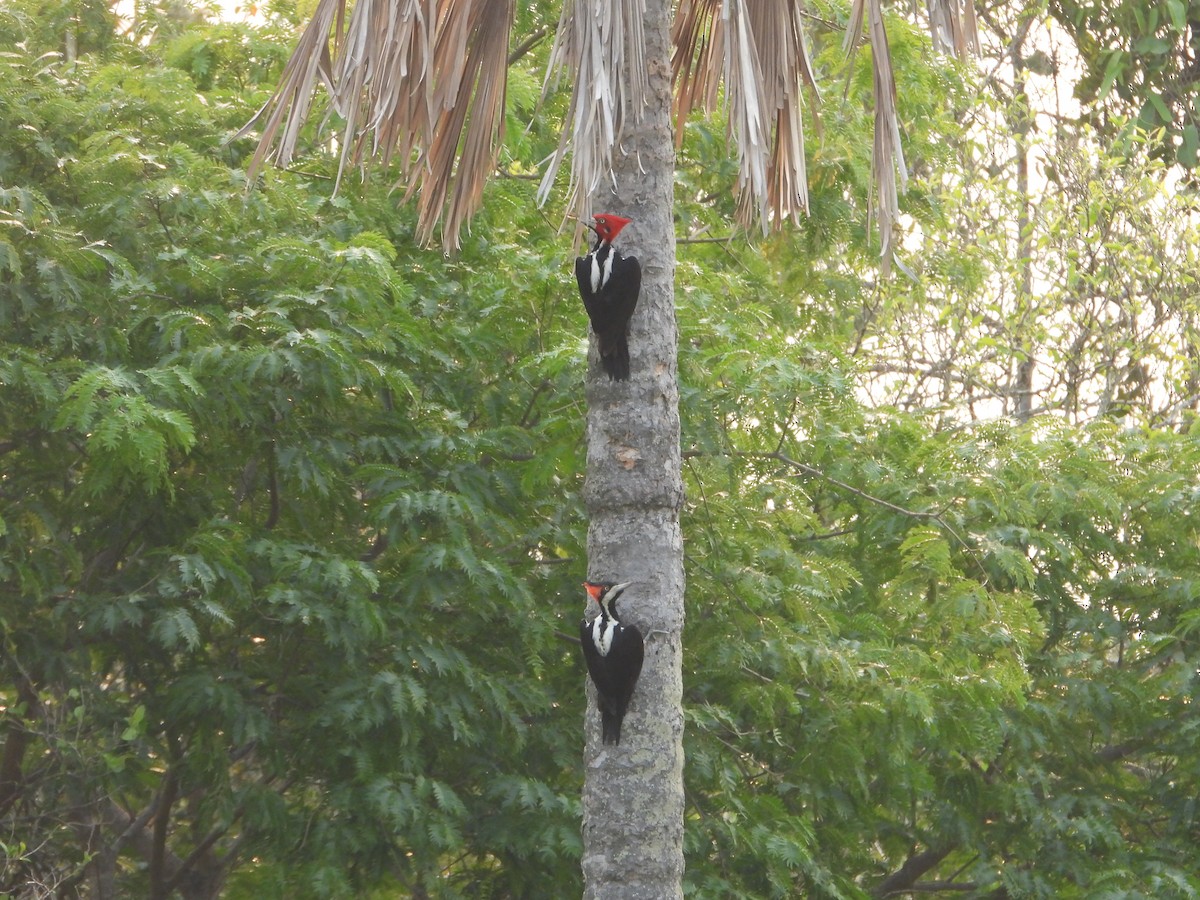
x=633 y=793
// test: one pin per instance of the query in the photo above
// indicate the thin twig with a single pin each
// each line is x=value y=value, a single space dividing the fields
x=533 y=399
x=871 y=498
x=935 y=517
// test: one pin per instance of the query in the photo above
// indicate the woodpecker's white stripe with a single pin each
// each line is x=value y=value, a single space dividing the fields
x=602 y=636
x=601 y=268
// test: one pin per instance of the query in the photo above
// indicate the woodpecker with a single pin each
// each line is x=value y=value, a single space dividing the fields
x=613 y=653
x=609 y=284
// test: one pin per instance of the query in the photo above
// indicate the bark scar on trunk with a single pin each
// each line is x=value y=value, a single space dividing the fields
x=627 y=456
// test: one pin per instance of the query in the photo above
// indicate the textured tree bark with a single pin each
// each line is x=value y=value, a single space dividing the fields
x=633 y=793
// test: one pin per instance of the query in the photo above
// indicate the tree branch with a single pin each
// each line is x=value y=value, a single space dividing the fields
x=162 y=819
x=272 y=488
x=19 y=737
x=528 y=44
x=902 y=880
x=935 y=517
x=937 y=887
x=215 y=835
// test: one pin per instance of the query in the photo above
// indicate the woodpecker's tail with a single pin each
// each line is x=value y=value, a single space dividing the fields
x=614 y=356
x=610 y=726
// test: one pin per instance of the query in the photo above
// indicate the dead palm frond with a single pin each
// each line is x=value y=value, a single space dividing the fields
x=757 y=48
x=422 y=81
x=476 y=44
x=953 y=31
x=887 y=160
x=602 y=46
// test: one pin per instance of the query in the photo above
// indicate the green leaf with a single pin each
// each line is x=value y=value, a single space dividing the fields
x=1160 y=107
x=924 y=546
x=1177 y=10
x=175 y=629
x=1151 y=44
x=136 y=727
x=1114 y=68
x=1189 y=147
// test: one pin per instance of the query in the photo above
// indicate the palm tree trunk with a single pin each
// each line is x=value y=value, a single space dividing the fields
x=633 y=793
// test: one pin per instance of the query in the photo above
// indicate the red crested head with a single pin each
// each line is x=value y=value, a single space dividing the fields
x=609 y=225
x=605 y=590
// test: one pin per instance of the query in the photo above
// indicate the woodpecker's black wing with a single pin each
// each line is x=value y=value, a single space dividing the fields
x=618 y=299
x=614 y=675
x=622 y=288
x=583 y=276
x=610 y=305
x=595 y=662
x=624 y=663
x=622 y=667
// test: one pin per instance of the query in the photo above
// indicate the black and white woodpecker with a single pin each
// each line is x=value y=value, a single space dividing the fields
x=613 y=653
x=609 y=284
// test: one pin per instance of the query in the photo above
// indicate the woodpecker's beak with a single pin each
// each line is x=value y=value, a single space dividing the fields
x=616 y=589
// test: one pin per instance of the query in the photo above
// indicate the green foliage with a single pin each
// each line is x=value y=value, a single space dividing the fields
x=916 y=635
x=282 y=498
x=1141 y=64
x=228 y=56
x=961 y=639
x=43 y=26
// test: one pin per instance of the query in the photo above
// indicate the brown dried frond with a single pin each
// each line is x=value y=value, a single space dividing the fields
x=289 y=105
x=473 y=50
x=598 y=43
x=953 y=30
x=953 y=26
x=757 y=48
x=422 y=81
x=696 y=61
x=888 y=155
